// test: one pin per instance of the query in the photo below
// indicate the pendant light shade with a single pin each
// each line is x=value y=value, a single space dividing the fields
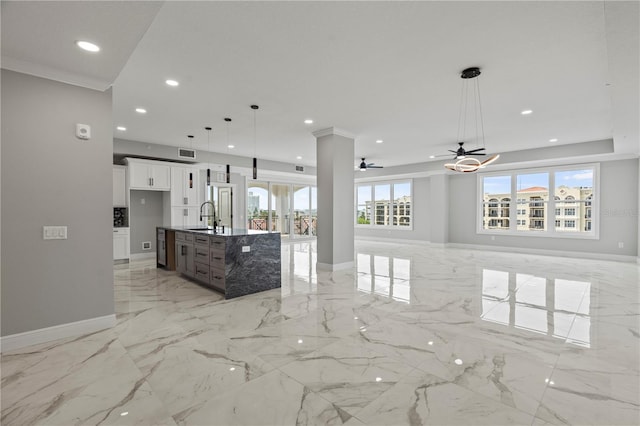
x=228 y=171
x=255 y=168
x=208 y=129
x=190 y=137
x=255 y=160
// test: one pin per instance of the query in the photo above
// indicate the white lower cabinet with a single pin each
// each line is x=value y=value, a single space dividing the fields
x=121 y=243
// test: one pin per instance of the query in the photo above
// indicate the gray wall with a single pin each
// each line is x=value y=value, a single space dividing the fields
x=618 y=221
x=49 y=177
x=421 y=217
x=143 y=218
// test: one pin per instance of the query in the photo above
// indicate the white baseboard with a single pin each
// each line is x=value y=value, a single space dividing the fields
x=43 y=335
x=334 y=266
x=142 y=256
x=545 y=252
x=392 y=240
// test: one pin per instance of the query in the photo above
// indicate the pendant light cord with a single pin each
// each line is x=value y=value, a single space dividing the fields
x=460 y=115
x=480 y=109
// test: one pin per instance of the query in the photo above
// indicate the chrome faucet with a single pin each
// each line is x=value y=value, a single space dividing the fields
x=213 y=208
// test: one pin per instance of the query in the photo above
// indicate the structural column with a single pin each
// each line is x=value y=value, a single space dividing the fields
x=335 y=229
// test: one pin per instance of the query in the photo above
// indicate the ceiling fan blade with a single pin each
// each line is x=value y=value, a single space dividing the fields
x=374 y=167
x=450 y=150
x=475 y=150
x=477 y=153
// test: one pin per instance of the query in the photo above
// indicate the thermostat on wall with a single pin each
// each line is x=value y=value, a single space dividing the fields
x=83 y=131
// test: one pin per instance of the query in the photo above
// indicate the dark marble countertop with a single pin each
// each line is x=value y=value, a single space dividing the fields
x=228 y=232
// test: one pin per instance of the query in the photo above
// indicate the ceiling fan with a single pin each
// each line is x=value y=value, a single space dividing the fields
x=364 y=166
x=462 y=153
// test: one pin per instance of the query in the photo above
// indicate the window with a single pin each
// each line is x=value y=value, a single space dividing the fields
x=575 y=187
x=557 y=201
x=384 y=204
x=496 y=202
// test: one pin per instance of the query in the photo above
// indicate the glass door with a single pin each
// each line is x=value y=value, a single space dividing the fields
x=301 y=211
x=290 y=209
x=258 y=206
x=280 y=209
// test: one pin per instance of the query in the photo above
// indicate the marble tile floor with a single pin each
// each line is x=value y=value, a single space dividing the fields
x=412 y=335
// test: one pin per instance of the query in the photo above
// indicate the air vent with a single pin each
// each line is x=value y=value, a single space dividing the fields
x=187 y=153
x=300 y=169
x=146 y=245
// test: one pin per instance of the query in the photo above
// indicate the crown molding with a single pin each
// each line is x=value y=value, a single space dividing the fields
x=333 y=131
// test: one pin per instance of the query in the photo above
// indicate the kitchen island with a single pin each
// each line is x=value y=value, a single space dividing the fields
x=235 y=262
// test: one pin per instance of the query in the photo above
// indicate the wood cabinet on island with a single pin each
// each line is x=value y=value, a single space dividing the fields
x=235 y=262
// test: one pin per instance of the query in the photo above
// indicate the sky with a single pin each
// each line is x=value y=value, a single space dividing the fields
x=570 y=178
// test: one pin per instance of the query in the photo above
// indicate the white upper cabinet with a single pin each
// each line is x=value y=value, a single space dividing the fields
x=149 y=175
x=119 y=186
x=184 y=186
x=186 y=216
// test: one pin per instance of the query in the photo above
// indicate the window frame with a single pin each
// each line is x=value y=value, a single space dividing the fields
x=550 y=232
x=393 y=208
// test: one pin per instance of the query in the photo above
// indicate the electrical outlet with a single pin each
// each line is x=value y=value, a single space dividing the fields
x=493 y=238
x=246 y=249
x=620 y=244
x=54 y=232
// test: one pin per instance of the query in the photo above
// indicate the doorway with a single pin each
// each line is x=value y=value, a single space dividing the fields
x=222 y=197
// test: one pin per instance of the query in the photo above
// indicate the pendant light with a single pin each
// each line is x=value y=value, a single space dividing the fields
x=190 y=137
x=255 y=160
x=208 y=129
x=464 y=163
x=228 y=120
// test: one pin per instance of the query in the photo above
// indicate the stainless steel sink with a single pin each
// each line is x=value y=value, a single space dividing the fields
x=200 y=229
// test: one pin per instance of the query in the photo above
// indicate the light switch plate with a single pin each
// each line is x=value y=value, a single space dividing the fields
x=246 y=249
x=54 y=232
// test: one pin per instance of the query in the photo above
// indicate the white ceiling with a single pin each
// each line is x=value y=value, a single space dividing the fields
x=379 y=70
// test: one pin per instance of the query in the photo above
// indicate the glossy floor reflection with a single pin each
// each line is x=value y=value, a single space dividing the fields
x=411 y=335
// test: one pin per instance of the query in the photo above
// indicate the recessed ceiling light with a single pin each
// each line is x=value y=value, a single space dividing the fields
x=432 y=156
x=379 y=141
x=378 y=379
x=299 y=157
x=308 y=121
x=88 y=46
x=172 y=83
x=231 y=146
x=526 y=112
x=553 y=140
x=121 y=128
x=141 y=110
x=458 y=361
